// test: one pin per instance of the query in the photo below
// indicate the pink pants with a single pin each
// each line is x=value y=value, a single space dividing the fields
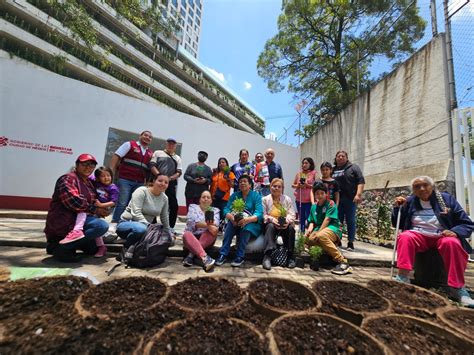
x=196 y=245
x=450 y=248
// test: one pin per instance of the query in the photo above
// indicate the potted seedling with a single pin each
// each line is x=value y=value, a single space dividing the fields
x=209 y=215
x=247 y=169
x=238 y=207
x=226 y=171
x=282 y=218
x=299 y=249
x=200 y=171
x=315 y=253
x=303 y=179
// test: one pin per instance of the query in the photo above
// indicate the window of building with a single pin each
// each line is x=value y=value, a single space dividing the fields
x=188 y=39
x=191 y=13
x=198 y=12
x=183 y=13
x=175 y=3
x=181 y=22
x=190 y=21
x=183 y=3
x=198 y=21
x=196 y=28
x=198 y=2
x=191 y=3
x=195 y=46
x=189 y=29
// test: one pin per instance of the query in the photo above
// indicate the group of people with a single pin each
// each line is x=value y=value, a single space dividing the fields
x=245 y=200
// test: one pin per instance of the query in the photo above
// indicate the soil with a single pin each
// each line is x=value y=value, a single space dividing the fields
x=205 y=293
x=462 y=319
x=121 y=296
x=418 y=313
x=404 y=294
x=403 y=335
x=274 y=293
x=247 y=312
x=71 y=334
x=350 y=295
x=205 y=335
x=27 y=296
x=319 y=334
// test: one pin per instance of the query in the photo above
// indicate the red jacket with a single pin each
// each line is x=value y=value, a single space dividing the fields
x=134 y=165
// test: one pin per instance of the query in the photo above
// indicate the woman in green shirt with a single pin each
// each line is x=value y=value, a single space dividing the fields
x=324 y=230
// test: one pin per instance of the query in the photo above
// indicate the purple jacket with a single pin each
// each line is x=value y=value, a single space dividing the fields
x=456 y=220
x=105 y=193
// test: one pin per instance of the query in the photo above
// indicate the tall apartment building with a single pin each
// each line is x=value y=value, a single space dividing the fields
x=188 y=13
x=89 y=40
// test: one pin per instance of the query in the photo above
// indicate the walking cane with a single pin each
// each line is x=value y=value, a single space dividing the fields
x=396 y=240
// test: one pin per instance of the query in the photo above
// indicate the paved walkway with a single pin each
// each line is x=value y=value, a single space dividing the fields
x=23 y=243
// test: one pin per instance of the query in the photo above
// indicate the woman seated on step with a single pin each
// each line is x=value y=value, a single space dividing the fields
x=244 y=222
x=279 y=218
x=202 y=225
x=74 y=193
x=147 y=203
x=433 y=219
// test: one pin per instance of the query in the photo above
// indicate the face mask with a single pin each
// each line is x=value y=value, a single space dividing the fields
x=202 y=158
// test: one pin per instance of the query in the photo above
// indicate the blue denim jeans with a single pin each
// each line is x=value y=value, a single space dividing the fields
x=93 y=227
x=131 y=232
x=126 y=188
x=242 y=240
x=347 y=210
x=303 y=214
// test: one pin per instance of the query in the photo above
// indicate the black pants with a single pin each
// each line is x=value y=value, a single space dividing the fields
x=64 y=252
x=220 y=204
x=172 y=202
x=288 y=235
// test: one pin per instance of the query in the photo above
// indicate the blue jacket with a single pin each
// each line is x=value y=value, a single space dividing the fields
x=456 y=220
x=253 y=206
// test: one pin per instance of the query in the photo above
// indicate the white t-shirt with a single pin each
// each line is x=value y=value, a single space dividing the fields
x=425 y=221
x=125 y=147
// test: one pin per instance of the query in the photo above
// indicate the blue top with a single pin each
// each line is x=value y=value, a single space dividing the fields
x=253 y=206
x=240 y=169
x=456 y=220
x=275 y=170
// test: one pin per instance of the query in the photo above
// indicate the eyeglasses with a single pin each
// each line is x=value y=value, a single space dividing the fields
x=88 y=164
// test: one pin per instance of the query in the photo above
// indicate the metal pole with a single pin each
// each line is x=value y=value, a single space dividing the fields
x=358 y=79
x=299 y=128
x=434 y=20
x=450 y=68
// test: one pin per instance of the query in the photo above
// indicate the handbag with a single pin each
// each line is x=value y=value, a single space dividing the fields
x=279 y=256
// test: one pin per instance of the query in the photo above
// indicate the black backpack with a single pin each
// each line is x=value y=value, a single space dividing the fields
x=149 y=251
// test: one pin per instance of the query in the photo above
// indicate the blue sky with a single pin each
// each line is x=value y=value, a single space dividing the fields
x=233 y=35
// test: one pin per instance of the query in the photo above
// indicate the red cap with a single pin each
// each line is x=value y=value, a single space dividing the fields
x=85 y=157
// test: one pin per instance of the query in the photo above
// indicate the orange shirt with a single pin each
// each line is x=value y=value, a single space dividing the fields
x=218 y=180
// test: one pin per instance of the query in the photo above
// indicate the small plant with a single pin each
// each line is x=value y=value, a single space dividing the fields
x=200 y=170
x=300 y=244
x=283 y=214
x=302 y=178
x=315 y=253
x=209 y=214
x=226 y=170
x=238 y=207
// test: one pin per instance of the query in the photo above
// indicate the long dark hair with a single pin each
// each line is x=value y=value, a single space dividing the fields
x=310 y=161
x=218 y=161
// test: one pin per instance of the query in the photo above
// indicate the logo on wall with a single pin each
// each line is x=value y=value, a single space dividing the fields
x=3 y=141
x=19 y=144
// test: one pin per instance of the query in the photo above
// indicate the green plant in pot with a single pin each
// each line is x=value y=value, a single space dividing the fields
x=299 y=249
x=209 y=215
x=238 y=208
x=226 y=171
x=315 y=253
x=282 y=218
x=200 y=171
x=303 y=179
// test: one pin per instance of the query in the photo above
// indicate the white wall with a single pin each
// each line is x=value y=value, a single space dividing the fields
x=400 y=128
x=40 y=107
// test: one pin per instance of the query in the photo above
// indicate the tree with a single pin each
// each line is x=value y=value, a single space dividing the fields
x=323 y=49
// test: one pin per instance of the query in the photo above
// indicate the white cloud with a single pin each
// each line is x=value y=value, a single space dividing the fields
x=220 y=76
x=247 y=85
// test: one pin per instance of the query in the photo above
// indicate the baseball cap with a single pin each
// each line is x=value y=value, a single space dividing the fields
x=171 y=139
x=86 y=157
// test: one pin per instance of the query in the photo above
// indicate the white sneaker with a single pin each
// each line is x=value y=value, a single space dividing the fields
x=462 y=296
x=279 y=240
x=112 y=228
